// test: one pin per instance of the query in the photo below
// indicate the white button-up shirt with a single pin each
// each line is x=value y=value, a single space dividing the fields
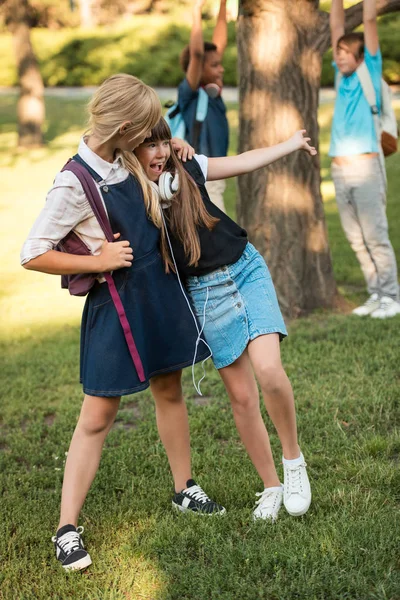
x=67 y=208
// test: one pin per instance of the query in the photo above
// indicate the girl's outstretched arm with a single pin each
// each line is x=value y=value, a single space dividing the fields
x=230 y=166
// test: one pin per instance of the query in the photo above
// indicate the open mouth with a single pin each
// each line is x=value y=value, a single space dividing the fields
x=157 y=167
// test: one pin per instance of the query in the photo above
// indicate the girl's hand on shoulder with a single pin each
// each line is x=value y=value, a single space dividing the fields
x=115 y=255
x=300 y=141
x=183 y=150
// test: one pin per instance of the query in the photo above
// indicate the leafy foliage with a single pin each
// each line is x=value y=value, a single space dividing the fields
x=148 y=47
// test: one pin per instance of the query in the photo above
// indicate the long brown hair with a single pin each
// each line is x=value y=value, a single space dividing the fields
x=187 y=211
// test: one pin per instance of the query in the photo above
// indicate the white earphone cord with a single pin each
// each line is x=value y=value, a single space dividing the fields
x=199 y=331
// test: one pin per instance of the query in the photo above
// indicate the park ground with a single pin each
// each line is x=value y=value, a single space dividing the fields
x=345 y=374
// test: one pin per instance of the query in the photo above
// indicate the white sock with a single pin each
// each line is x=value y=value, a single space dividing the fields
x=274 y=488
x=293 y=462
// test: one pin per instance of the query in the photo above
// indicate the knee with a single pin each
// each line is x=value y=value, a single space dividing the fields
x=167 y=387
x=95 y=424
x=245 y=402
x=272 y=379
x=97 y=414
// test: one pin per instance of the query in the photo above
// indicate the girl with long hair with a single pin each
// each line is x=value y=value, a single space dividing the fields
x=230 y=285
x=122 y=113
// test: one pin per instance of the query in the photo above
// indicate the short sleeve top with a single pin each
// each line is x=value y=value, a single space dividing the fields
x=353 y=130
x=214 y=136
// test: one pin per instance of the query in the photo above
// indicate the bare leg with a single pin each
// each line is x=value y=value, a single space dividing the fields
x=95 y=421
x=243 y=393
x=264 y=353
x=173 y=425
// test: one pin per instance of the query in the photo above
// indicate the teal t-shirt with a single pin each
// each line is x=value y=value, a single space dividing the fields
x=353 y=130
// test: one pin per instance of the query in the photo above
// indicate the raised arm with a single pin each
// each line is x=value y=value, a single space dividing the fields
x=220 y=35
x=336 y=23
x=195 y=68
x=371 y=38
x=230 y=166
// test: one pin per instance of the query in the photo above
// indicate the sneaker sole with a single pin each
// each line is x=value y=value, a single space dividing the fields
x=83 y=563
x=299 y=513
x=197 y=512
x=269 y=519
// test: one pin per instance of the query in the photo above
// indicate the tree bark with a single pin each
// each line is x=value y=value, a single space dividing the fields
x=86 y=8
x=281 y=206
x=280 y=47
x=30 y=107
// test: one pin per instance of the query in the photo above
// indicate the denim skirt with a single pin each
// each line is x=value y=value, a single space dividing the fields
x=165 y=332
x=236 y=303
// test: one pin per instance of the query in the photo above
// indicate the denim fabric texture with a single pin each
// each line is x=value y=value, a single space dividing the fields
x=237 y=304
x=163 y=328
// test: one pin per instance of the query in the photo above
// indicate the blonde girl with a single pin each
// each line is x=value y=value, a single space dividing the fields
x=122 y=112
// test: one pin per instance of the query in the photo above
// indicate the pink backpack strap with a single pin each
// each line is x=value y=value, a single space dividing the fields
x=97 y=206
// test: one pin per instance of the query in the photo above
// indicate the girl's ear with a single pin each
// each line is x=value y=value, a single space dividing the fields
x=124 y=127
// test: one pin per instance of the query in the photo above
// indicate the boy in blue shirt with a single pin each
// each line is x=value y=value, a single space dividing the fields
x=357 y=170
x=202 y=64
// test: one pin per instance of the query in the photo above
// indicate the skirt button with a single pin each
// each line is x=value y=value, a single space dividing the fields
x=104 y=188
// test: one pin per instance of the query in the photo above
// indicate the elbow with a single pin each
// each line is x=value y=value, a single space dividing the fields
x=199 y=55
x=32 y=264
x=28 y=265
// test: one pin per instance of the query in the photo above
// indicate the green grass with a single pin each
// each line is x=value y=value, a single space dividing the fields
x=345 y=374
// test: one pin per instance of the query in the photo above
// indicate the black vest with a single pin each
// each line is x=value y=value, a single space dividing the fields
x=223 y=245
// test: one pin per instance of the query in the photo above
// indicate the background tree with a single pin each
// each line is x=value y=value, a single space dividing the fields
x=280 y=48
x=30 y=107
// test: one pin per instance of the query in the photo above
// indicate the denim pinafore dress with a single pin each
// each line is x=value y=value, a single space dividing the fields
x=162 y=325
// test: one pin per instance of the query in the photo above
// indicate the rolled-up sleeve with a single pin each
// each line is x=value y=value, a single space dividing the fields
x=65 y=207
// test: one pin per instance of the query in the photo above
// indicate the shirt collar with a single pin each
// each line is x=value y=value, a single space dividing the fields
x=98 y=164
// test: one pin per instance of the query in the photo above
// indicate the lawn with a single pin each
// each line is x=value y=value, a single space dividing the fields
x=345 y=373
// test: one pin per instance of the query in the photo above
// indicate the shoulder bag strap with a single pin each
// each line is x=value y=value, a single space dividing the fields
x=201 y=113
x=370 y=95
x=97 y=206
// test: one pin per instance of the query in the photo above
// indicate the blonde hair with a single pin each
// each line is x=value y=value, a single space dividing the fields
x=123 y=98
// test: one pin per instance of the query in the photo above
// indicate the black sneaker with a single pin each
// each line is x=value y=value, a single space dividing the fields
x=70 y=550
x=194 y=499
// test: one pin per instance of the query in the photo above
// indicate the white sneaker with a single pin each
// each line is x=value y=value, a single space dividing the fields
x=267 y=507
x=368 y=307
x=297 y=490
x=387 y=308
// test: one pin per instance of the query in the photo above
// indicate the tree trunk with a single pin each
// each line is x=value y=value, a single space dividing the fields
x=281 y=206
x=30 y=107
x=88 y=19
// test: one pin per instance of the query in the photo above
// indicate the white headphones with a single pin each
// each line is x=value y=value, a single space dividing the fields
x=168 y=185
